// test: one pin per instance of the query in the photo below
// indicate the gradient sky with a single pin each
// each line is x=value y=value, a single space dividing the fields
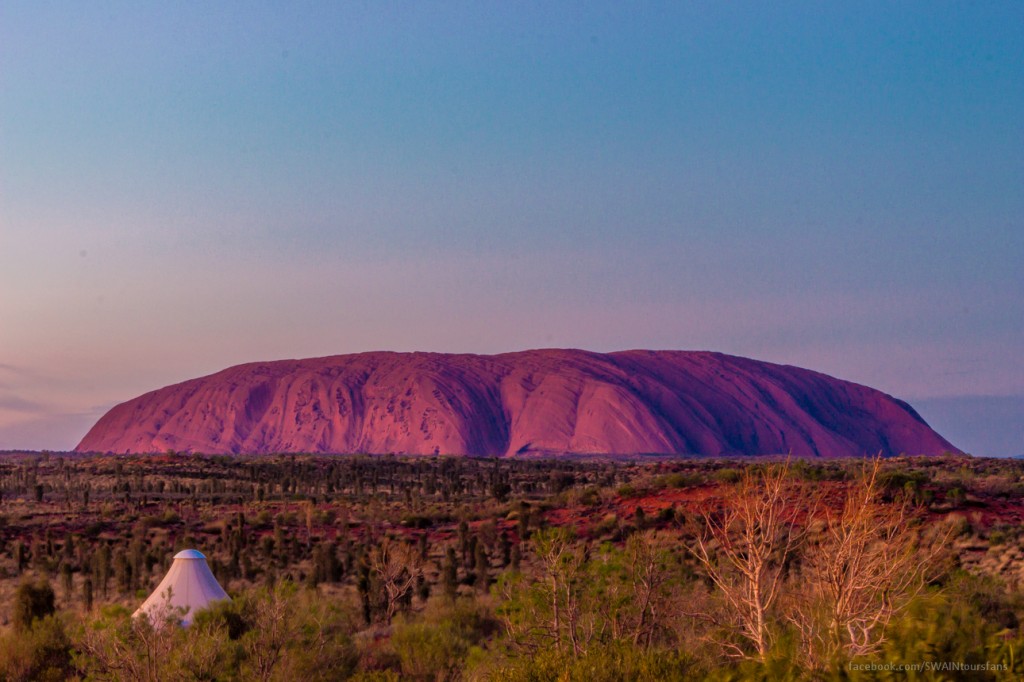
x=188 y=186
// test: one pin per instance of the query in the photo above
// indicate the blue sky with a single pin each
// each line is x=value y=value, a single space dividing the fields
x=185 y=187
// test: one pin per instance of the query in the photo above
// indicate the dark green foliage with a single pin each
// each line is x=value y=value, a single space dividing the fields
x=450 y=574
x=729 y=475
x=87 y=593
x=896 y=480
x=43 y=653
x=989 y=597
x=482 y=568
x=20 y=556
x=640 y=518
x=32 y=601
x=812 y=471
x=955 y=497
x=680 y=480
x=960 y=634
x=326 y=566
x=435 y=646
x=600 y=664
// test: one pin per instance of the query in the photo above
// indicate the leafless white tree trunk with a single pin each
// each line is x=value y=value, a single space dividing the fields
x=744 y=547
x=864 y=569
x=647 y=572
x=562 y=561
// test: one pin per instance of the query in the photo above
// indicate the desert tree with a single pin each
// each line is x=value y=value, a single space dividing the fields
x=865 y=567
x=745 y=546
x=648 y=572
x=87 y=593
x=550 y=610
x=630 y=589
x=450 y=574
x=67 y=581
x=120 y=647
x=562 y=561
x=272 y=619
x=32 y=601
x=203 y=651
x=308 y=515
x=396 y=566
x=481 y=567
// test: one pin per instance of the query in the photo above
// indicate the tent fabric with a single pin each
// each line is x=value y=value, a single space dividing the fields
x=189 y=583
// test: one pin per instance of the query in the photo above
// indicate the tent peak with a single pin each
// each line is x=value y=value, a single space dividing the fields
x=188 y=587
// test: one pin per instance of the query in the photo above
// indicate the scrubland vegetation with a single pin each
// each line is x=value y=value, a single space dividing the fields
x=433 y=568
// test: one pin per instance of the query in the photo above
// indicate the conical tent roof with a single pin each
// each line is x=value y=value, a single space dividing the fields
x=188 y=584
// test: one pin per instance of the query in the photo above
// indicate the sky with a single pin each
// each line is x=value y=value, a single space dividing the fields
x=189 y=186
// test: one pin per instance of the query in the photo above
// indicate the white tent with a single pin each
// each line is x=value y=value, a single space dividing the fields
x=188 y=584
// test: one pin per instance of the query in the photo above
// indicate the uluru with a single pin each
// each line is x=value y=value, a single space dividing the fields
x=536 y=402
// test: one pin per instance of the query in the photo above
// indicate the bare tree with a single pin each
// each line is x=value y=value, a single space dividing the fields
x=136 y=649
x=744 y=548
x=202 y=651
x=396 y=566
x=864 y=569
x=562 y=561
x=648 y=572
x=272 y=630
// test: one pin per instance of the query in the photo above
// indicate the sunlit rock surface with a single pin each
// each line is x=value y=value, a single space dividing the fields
x=538 y=402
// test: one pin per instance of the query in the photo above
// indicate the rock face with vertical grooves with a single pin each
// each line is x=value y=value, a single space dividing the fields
x=538 y=402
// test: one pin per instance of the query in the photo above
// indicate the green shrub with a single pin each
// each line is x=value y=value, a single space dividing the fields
x=680 y=480
x=943 y=628
x=728 y=475
x=375 y=676
x=435 y=647
x=42 y=653
x=32 y=601
x=896 y=480
x=626 y=491
x=600 y=664
x=590 y=497
x=428 y=651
